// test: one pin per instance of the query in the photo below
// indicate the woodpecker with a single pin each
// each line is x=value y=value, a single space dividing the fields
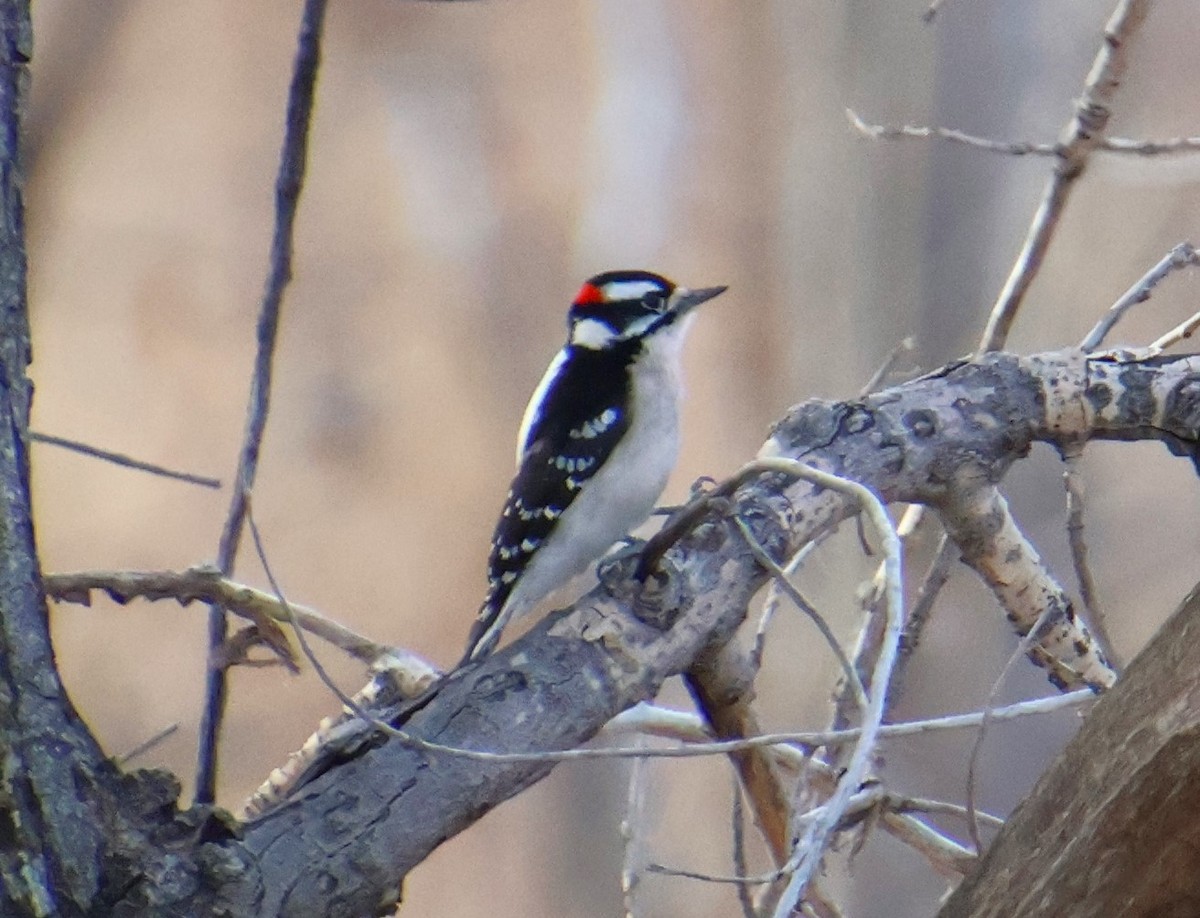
x=599 y=439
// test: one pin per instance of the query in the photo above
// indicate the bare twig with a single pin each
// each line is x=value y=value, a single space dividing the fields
x=634 y=861
x=288 y=184
x=689 y=728
x=737 y=817
x=924 y=805
x=771 y=602
x=906 y=346
x=320 y=670
x=789 y=589
x=921 y=611
x=871 y=634
x=1171 y=146
x=947 y=857
x=817 y=904
x=736 y=879
x=1180 y=332
x=1083 y=134
x=123 y=460
x=205 y=584
x=784 y=741
x=927 y=593
x=811 y=847
x=147 y=744
x=1026 y=642
x=721 y=681
x=1093 y=613
x=915 y=132
x=866 y=646
x=867 y=643
x=875 y=798
x=1180 y=256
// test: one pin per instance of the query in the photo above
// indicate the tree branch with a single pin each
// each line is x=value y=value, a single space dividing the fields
x=64 y=837
x=1110 y=828
x=1082 y=135
x=288 y=185
x=377 y=807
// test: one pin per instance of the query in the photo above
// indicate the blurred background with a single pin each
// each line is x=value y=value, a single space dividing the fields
x=472 y=163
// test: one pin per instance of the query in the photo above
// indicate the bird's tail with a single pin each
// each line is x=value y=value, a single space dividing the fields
x=486 y=631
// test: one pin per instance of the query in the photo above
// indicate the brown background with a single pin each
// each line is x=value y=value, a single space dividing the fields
x=470 y=164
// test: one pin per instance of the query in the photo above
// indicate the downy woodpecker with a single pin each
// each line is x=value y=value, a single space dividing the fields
x=598 y=441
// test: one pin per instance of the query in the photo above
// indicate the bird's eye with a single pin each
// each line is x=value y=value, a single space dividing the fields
x=656 y=300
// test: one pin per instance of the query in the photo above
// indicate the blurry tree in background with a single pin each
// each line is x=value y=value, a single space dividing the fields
x=467 y=165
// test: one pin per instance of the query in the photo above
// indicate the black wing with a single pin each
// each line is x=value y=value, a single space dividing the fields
x=583 y=418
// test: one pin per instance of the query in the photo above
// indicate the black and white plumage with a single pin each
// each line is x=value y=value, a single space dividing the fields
x=597 y=444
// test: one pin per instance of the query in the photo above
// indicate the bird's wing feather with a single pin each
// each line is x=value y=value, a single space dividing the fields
x=561 y=452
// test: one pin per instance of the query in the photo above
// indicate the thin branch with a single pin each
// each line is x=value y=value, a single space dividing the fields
x=123 y=460
x=901 y=804
x=320 y=670
x=811 y=847
x=1169 y=147
x=947 y=857
x=737 y=819
x=870 y=635
x=1181 y=256
x=733 y=879
x=866 y=645
x=922 y=608
x=147 y=744
x=784 y=741
x=665 y=723
x=1026 y=643
x=771 y=602
x=288 y=184
x=789 y=589
x=915 y=132
x=721 y=683
x=1093 y=612
x=1082 y=135
x=1120 y=145
x=205 y=584
x=634 y=860
x=906 y=346
x=817 y=904
x=877 y=799
x=1180 y=332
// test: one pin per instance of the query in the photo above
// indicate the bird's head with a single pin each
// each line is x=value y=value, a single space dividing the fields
x=619 y=306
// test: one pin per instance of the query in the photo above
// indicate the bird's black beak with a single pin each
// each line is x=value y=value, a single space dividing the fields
x=686 y=300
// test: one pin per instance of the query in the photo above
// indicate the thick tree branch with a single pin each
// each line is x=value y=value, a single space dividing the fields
x=71 y=824
x=380 y=807
x=50 y=858
x=1111 y=828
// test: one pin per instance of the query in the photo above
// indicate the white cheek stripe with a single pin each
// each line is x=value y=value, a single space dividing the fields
x=591 y=333
x=641 y=326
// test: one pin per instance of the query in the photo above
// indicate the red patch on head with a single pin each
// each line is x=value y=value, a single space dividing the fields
x=589 y=295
